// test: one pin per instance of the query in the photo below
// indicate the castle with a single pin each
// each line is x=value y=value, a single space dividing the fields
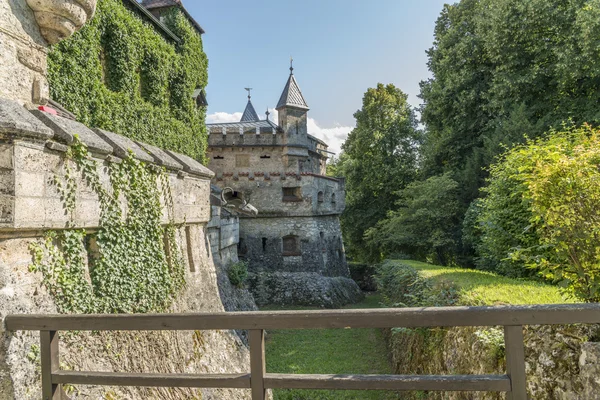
x=280 y=168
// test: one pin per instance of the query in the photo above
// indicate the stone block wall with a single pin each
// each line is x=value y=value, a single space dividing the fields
x=32 y=152
x=224 y=235
x=322 y=250
x=265 y=191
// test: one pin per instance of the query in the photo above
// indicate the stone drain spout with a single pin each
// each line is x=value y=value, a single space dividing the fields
x=59 y=19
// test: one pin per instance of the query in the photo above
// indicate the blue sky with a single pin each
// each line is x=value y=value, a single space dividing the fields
x=340 y=48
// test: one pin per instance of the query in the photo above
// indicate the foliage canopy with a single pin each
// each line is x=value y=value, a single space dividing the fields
x=424 y=222
x=379 y=158
x=553 y=221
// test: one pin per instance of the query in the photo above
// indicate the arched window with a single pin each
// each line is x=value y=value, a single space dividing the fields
x=291 y=246
x=333 y=198
x=320 y=197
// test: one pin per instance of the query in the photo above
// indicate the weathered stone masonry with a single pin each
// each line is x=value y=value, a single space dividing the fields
x=32 y=154
x=32 y=147
x=280 y=169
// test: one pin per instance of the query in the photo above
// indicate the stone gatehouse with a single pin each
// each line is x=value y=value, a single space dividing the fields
x=280 y=168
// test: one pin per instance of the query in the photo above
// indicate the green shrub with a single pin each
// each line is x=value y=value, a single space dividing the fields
x=400 y=285
x=542 y=211
x=502 y=219
x=238 y=273
x=118 y=73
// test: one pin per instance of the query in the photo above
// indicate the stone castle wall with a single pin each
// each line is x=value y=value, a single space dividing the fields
x=266 y=192
x=224 y=236
x=32 y=150
x=321 y=251
x=294 y=246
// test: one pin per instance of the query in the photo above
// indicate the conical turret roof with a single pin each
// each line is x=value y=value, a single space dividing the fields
x=292 y=95
x=250 y=114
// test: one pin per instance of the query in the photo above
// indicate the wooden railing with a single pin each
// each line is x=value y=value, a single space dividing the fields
x=511 y=318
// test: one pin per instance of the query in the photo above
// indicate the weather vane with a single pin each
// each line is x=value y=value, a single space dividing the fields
x=249 y=89
x=292 y=64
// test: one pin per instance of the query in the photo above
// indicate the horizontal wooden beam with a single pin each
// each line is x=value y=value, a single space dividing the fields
x=376 y=318
x=469 y=383
x=230 y=381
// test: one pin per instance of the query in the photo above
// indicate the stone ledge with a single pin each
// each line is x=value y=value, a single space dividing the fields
x=66 y=129
x=123 y=145
x=161 y=157
x=191 y=166
x=18 y=122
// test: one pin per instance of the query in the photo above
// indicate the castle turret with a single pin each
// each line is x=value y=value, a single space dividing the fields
x=250 y=114
x=293 y=116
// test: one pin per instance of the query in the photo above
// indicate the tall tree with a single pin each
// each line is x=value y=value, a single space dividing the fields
x=379 y=159
x=503 y=70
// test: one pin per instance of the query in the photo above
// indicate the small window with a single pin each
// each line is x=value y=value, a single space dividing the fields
x=322 y=236
x=264 y=244
x=265 y=157
x=333 y=198
x=320 y=197
x=219 y=158
x=291 y=246
x=292 y=194
x=242 y=160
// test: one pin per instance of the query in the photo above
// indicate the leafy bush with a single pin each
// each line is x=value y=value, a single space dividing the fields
x=502 y=220
x=238 y=273
x=543 y=210
x=118 y=73
x=400 y=285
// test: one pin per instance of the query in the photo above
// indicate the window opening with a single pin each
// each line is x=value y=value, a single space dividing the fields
x=291 y=246
x=292 y=194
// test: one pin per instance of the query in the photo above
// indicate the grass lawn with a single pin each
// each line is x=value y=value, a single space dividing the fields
x=485 y=288
x=329 y=351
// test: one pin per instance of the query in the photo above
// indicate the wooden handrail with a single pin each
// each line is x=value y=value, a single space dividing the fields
x=512 y=318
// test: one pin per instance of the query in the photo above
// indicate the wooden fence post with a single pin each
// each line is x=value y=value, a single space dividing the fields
x=515 y=362
x=257 y=364
x=50 y=363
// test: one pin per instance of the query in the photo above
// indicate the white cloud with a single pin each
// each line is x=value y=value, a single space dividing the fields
x=333 y=136
x=223 y=117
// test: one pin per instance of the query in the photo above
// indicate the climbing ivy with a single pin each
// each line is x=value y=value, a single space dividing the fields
x=134 y=263
x=120 y=74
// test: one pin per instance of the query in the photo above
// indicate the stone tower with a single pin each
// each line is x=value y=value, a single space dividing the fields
x=293 y=118
x=294 y=246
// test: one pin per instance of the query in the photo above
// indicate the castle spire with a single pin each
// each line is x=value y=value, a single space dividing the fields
x=250 y=114
x=292 y=95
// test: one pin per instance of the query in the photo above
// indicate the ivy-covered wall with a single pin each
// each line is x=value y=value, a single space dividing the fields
x=120 y=74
